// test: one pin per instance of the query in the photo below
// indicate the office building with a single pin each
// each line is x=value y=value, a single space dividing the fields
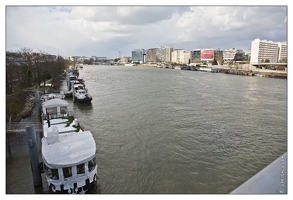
x=138 y=55
x=233 y=54
x=195 y=56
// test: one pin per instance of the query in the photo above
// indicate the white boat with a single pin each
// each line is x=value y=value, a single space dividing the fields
x=204 y=69
x=82 y=96
x=68 y=152
x=80 y=93
x=78 y=83
x=129 y=64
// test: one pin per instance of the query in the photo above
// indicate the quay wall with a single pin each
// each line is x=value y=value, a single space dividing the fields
x=248 y=67
x=241 y=69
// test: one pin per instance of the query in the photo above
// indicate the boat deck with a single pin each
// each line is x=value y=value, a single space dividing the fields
x=63 y=125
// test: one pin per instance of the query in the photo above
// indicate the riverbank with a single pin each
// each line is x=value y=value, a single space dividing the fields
x=241 y=69
x=21 y=102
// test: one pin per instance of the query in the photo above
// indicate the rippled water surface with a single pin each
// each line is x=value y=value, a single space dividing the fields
x=163 y=131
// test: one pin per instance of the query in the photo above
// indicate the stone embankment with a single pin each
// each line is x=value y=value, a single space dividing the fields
x=29 y=105
x=239 y=69
x=249 y=70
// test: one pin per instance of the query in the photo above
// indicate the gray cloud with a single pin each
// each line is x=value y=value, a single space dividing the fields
x=105 y=30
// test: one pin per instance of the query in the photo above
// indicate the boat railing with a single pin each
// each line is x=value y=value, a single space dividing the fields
x=79 y=123
x=54 y=115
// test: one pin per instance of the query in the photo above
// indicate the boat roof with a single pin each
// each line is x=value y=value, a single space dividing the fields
x=46 y=97
x=61 y=124
x=70 y=149
x=80 y=90
x=55 y=103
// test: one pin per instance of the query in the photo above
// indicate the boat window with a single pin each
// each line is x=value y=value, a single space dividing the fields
x=67 y=172
x=80 y=169
x=63 y=109
x=51 y=111
x=92 y=164
x=51 y=173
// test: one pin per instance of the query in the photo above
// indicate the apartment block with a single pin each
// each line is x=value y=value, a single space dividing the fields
x=151 y=55
x=181 y=56
x=263 y=50
x=169 y=51
x=161 y=54
x=282 y=53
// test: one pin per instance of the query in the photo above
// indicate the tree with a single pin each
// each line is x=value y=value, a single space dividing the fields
x=39 y=61
x=283 y=60
x=26 y=64
x=10 y=72
x=214 y=62
x=28 y=74
x=25 y=68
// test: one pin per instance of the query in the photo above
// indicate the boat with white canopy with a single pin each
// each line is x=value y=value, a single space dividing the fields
x=68 y=152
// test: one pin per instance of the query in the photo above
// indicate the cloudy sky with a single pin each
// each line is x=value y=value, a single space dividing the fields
x=105 y=30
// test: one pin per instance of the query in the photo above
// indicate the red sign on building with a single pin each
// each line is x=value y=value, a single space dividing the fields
x=207 y=55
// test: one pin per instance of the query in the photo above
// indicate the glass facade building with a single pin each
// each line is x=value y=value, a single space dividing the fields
x=138 y=55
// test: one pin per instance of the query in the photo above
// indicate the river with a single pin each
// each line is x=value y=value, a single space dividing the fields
x=169 y=131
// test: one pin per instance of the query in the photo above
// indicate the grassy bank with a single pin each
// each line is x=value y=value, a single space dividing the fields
x=17 y=103
x=21 y=101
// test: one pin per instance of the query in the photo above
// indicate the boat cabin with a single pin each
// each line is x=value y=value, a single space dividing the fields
x=69 y=161
x=55 y=108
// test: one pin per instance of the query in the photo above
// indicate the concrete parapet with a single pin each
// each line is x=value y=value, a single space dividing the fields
x=270 y=180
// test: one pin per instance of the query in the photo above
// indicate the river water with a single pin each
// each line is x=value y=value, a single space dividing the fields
x=164 y=131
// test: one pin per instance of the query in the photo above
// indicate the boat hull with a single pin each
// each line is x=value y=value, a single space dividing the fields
x=89 y=188
x=84 y=100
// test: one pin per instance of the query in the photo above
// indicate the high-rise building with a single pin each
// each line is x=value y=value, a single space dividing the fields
x=267 y=51
x=138 y=55
x=160 y=54
x=151 y=55
x=169 y=51
x=282 y=53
